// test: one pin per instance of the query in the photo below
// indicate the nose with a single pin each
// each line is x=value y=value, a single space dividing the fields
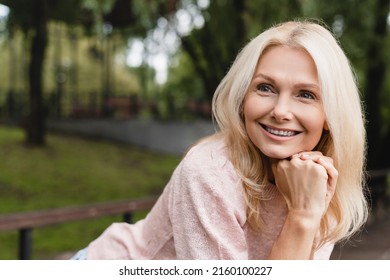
x=281 y=110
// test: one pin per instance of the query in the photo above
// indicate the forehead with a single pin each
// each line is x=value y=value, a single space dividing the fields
x=287 y=55
x=288 y=63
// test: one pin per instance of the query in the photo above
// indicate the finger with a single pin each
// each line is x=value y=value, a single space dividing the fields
x=313 y=155
x=332 y=175
x=327 y=163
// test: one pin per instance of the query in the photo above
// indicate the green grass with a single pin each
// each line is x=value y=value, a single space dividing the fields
x=72 y=171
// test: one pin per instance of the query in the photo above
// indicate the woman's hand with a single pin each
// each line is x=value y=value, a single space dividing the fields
x=327 y=163
x=307 y=181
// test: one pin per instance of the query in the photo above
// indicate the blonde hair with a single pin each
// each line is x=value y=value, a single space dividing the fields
x=345 y=141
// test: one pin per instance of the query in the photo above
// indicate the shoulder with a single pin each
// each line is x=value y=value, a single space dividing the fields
x=207 y=169
x=206 y=179
x=208 y=153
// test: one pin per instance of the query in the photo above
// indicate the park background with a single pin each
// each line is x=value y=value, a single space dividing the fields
x=99 y=99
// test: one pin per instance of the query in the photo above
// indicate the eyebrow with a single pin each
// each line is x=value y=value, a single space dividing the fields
x=301 y=85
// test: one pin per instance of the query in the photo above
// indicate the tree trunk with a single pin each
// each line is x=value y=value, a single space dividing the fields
x=209 y=60
x=378 y=152
x=375 y=85
x=35 y=126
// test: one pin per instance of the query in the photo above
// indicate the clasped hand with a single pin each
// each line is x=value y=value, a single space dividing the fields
x=307 y=181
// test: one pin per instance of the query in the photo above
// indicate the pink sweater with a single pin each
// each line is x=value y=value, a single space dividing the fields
x=201 y=214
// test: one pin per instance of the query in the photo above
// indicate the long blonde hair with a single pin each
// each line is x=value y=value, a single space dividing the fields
x=345 y=141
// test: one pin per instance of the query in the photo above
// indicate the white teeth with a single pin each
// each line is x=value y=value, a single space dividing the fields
x=284 y=133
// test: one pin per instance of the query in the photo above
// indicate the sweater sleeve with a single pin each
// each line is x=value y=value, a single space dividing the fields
x=207 y=209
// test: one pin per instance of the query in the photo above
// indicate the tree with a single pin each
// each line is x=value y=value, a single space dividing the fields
x=228 y=26
x=212 y=50
x=35 y=126
x=32 y=17
x=377 y=132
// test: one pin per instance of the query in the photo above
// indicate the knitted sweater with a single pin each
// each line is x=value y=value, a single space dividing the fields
x=201 y=214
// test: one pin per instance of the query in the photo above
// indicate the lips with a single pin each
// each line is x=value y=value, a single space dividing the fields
x=280 y=132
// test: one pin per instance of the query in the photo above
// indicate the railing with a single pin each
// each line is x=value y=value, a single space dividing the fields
x=25 y=222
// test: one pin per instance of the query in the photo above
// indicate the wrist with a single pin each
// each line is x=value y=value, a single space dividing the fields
x=305 y=221
x=296 y=240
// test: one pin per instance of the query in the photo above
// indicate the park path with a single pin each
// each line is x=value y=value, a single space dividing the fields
x=373 y=243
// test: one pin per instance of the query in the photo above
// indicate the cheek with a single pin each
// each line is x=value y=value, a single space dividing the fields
x=254 y=108
x=248 y=110
x=316 y=127
x=313 y=121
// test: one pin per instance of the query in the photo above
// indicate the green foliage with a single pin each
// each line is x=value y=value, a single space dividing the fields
x=260 y=15
x=80 y=62
x=229 y=25
x=212 y=50
x=72 y=171
x=353 y=26
x=148 y=12
x=182 y=86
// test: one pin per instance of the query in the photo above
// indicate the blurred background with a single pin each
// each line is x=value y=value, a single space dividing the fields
x=99 y=99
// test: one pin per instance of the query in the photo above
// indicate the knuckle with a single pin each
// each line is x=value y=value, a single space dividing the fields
x=329 y=159
x=320 y=170
x=316 y=154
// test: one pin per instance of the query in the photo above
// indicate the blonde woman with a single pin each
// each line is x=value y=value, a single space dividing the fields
x=282 y=179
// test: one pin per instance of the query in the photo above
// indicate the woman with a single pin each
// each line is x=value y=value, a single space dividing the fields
x=282 y=179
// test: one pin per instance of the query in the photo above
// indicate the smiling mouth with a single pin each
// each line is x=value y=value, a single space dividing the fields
x=280 y=133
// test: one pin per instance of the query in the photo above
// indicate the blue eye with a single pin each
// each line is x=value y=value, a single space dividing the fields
x=307 y=95
x=264 y=88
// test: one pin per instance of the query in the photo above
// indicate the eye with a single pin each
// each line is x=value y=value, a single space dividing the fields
x=264 y=88
x=307 y=95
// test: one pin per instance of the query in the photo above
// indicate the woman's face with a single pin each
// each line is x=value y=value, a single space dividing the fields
x=283 y=108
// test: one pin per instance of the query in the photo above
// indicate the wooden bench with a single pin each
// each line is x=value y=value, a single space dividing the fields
x=25 y=222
